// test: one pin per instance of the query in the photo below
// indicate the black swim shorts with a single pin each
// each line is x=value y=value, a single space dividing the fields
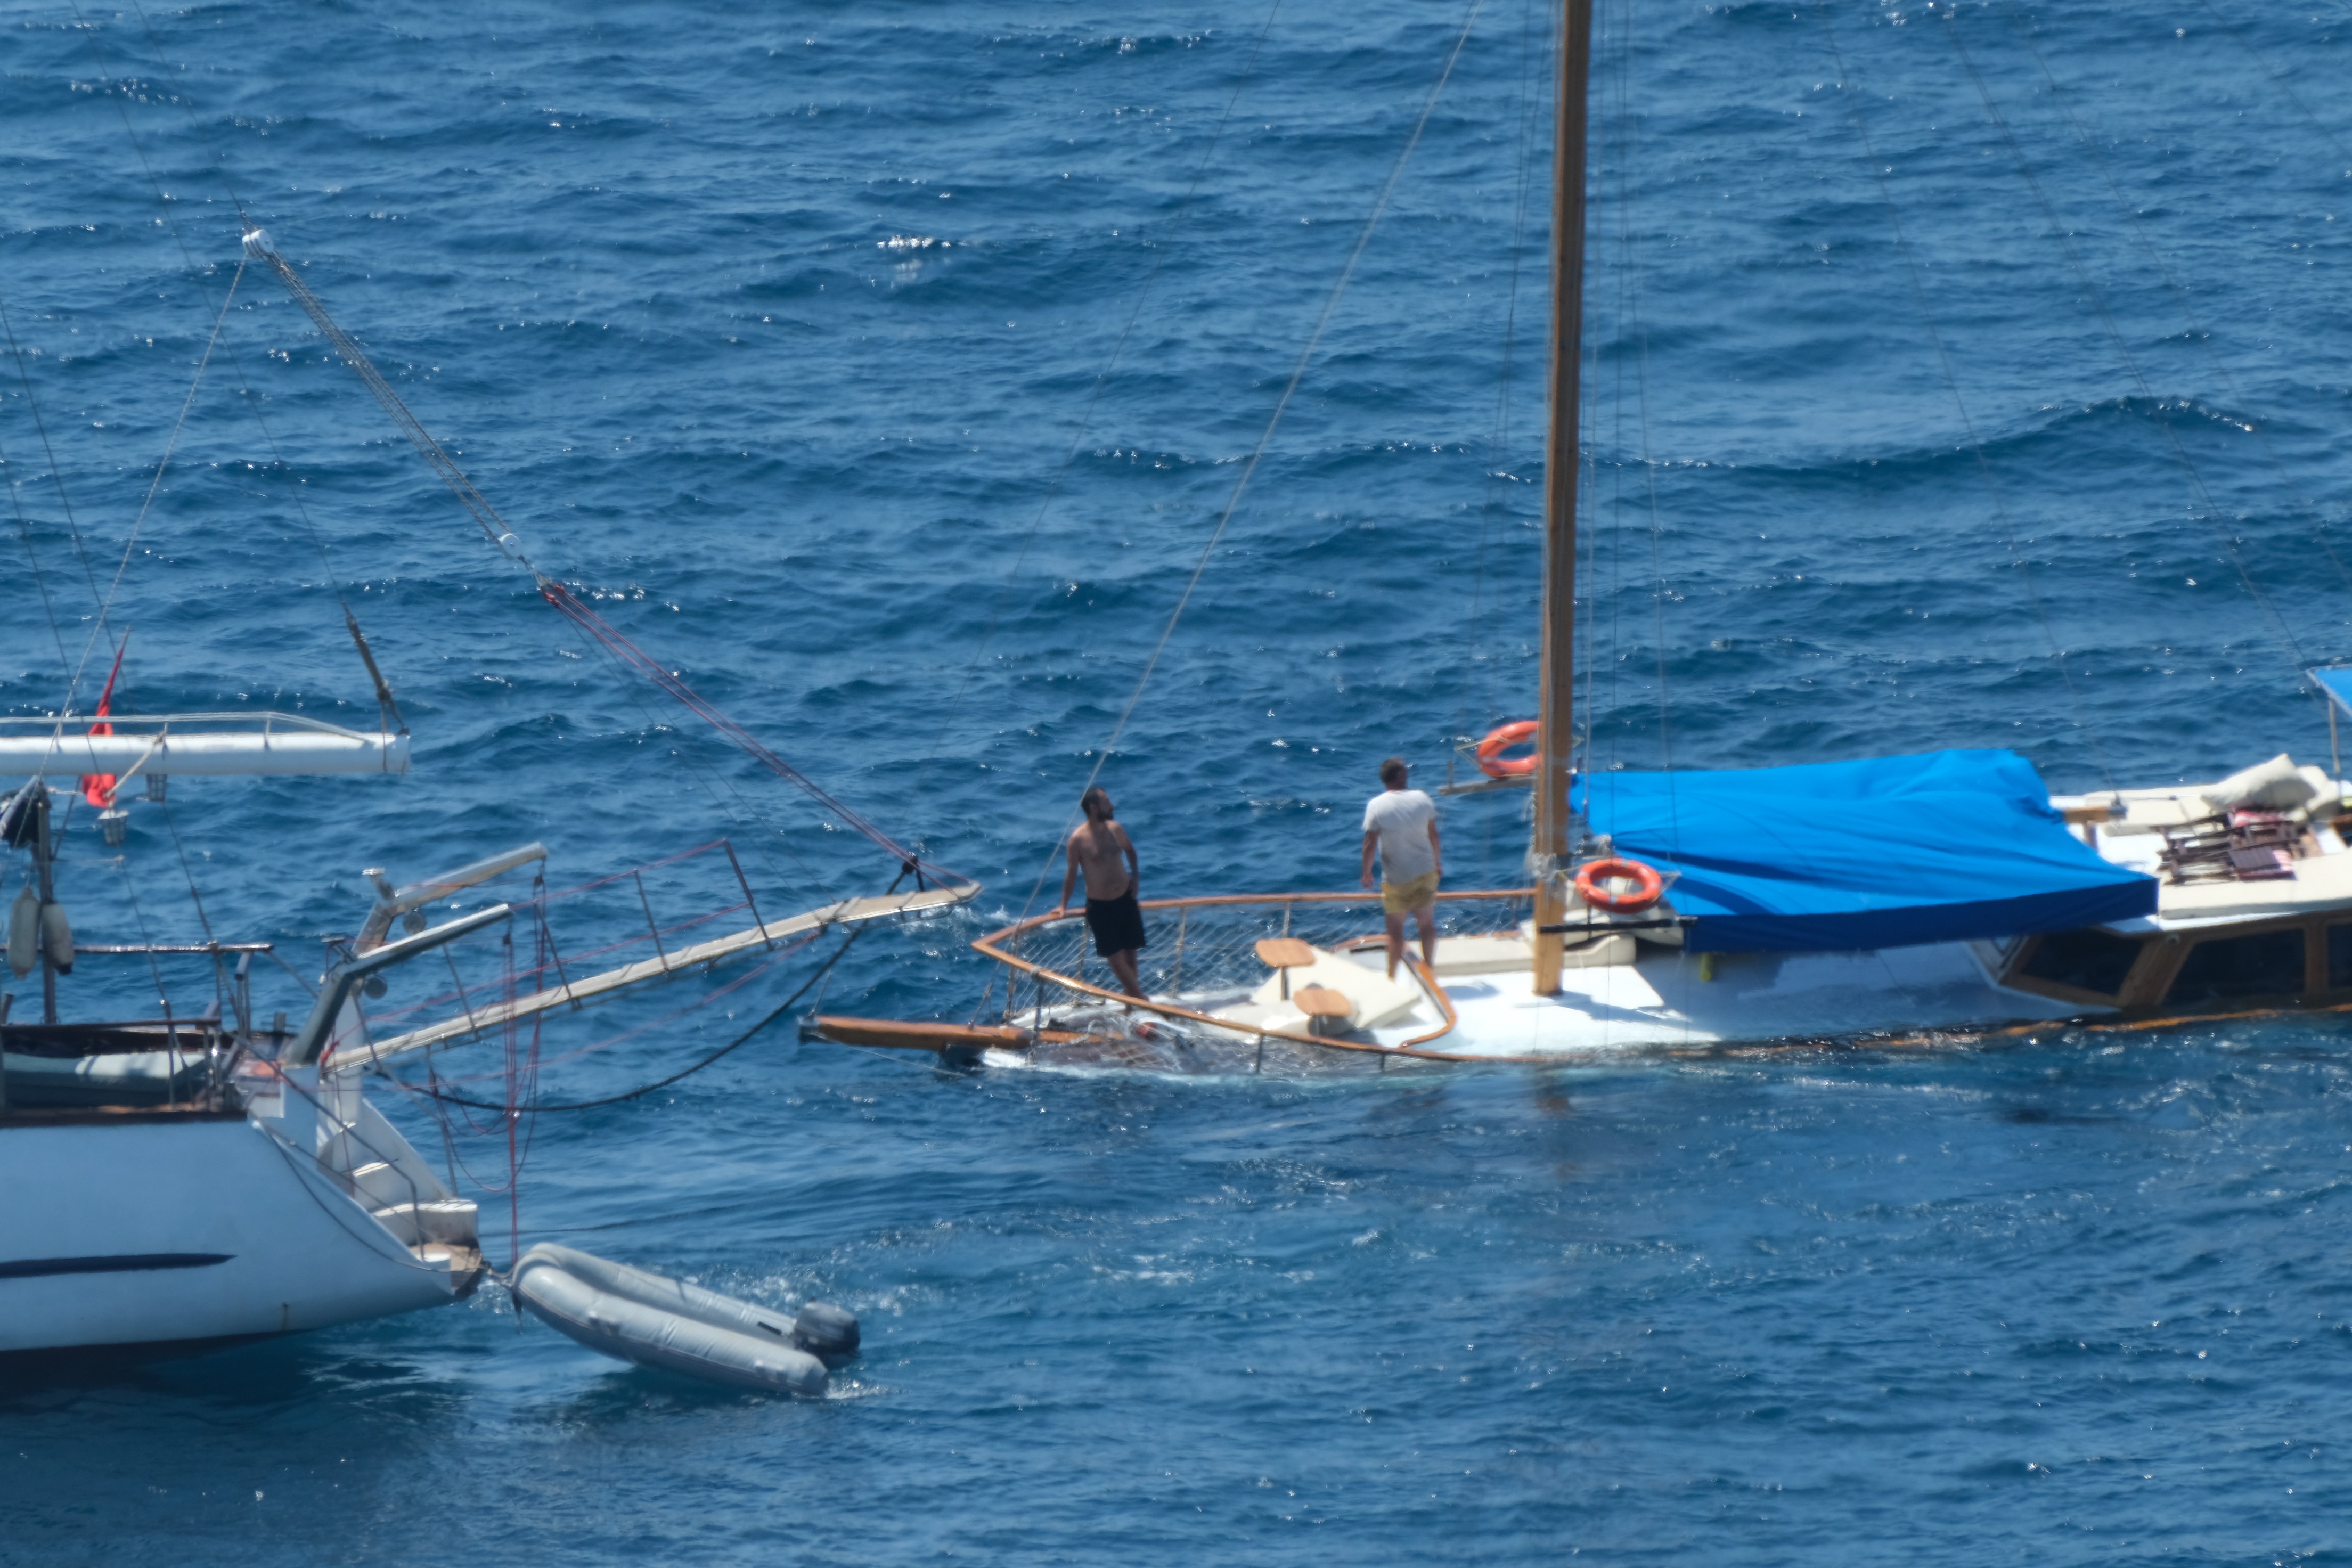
x=1118 y=923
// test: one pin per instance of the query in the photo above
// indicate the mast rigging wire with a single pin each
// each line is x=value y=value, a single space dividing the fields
x=640 y=1093
x=1087 y=418
x=1273 y=421
x=1878 y=172
x=1630 y=324
x=2204 y=510
x=503 y=539
x=1524 y=110
x=32 y=559
x=114 y=585
x=389 y=710
x=57 y=478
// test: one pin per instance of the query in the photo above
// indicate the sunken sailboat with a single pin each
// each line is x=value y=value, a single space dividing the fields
x=1892 y=896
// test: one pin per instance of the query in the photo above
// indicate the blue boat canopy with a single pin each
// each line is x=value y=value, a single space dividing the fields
x=1887 y=852
x=2337 y=683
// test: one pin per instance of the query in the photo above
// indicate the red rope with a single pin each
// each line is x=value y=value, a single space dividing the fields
x=514 y=1097
x=538 y=973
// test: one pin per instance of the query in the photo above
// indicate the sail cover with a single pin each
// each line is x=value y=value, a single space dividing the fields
x=1887 y=852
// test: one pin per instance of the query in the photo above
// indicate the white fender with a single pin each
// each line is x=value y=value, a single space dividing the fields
x=57 y=937
x=23 y=933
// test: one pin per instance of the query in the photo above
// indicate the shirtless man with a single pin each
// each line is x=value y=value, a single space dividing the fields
x=1101 y=850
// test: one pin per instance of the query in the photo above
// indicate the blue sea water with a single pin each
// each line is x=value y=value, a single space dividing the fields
x=1921 y=343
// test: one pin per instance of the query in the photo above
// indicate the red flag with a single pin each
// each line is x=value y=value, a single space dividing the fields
x=99 y=788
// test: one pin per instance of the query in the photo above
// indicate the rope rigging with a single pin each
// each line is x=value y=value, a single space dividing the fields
x=503 y=539
x=1162 y=249
x=155 y=486
x=1878 y=171
x=517 y=1110
x=1273 y=421
x=387 y=707
x=64 y=503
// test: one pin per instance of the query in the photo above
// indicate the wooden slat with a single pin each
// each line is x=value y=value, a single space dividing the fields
x=849 y=912
x=1285 y=952
x=895 y=1035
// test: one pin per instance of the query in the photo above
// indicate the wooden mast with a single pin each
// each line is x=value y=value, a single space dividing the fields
x=1556 y=737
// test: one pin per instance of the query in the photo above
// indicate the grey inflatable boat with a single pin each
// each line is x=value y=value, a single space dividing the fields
x=643 y=1317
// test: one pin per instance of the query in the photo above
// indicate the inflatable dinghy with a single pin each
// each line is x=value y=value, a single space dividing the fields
x=643 y=1317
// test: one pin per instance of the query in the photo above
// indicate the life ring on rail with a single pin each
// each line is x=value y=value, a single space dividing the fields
x=1649 y=887
x=1491 y=761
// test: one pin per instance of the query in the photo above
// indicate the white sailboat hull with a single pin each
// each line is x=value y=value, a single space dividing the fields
x=129 y=1229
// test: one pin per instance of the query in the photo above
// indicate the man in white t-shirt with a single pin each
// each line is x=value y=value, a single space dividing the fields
x=1402 y=824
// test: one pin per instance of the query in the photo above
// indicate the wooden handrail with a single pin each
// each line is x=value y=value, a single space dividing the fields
x=987 y=946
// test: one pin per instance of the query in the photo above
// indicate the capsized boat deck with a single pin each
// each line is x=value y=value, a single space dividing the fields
x=2219 y=942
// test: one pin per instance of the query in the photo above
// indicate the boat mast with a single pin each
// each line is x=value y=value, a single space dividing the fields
x=1556 y=738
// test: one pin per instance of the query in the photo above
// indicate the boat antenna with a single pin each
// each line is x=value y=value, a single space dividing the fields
x=1556 y=735
x=390 y=710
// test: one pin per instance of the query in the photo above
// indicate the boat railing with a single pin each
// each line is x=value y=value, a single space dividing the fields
x=268 y=721
x=1202 y=954
x=161 y=744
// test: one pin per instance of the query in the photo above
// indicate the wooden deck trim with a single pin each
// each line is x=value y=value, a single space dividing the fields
x=987 y=947
x=892 y=1034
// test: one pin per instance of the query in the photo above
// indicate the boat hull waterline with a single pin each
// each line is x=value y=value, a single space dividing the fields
x=162 y=1228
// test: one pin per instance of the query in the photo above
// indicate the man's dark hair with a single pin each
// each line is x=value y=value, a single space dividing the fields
x=1095 y=798
x=1394 y=772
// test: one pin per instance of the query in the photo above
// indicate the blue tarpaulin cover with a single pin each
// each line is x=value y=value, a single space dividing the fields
x=2337 y=683
x=1887 y=852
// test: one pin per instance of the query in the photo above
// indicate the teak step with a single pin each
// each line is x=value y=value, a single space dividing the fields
x=1322 y=1002
x=1327 y=1010
x=1285 y=952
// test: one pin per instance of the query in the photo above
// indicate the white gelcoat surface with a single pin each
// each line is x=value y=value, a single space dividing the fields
x=301 y=1254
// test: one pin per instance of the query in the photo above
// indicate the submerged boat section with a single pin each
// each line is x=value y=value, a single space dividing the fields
x=1935 y=895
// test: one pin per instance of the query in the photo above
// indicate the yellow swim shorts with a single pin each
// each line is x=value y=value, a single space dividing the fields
x=1403 y=898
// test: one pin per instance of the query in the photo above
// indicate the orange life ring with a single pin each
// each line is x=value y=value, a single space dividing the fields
x=1649 y=887
x=1491 y=761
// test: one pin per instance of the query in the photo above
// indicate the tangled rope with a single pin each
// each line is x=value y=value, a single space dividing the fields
x=443 y=1095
